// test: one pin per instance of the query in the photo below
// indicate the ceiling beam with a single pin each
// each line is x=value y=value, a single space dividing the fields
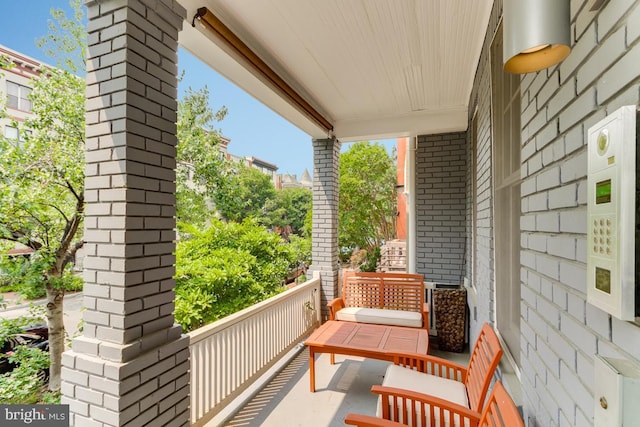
x=420 y=123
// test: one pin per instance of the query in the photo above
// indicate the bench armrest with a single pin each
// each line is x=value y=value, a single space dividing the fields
x=335 y=305
x=432 y=365
x=360 y=420
x=425 y=316
x=414 y=405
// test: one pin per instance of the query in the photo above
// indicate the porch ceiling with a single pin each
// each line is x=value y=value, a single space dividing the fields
x=373 y=68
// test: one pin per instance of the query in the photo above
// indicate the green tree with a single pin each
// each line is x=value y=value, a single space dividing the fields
x=42 y=179
x=367 y=206
x=225 y=268
x=243 y=193
x=287 y=210
x=199 y=160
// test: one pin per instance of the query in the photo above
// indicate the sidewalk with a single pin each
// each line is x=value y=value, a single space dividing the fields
x=73 y=304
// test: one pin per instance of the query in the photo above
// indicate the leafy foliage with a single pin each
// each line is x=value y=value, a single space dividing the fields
x=42 y=178
x=199 y=161
x=243 y=193
x=225 y=268
x=287 y=210
x=301 y=248
x=66 y=40
x=25 y=382
x=367 y=206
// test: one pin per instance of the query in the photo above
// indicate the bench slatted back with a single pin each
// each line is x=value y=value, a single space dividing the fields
x=403 y=291
x=483 y=362
x=361 y=289
x=397 y=291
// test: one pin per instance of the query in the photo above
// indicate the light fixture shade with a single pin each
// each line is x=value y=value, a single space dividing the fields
x=537 y=34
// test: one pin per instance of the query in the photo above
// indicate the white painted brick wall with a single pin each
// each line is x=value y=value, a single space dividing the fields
x=561 y=333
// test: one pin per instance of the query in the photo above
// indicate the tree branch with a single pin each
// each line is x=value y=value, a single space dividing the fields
x=71 y=254
x=18 y=236
x=65 y=251
x=57 y=209
x=73 y=191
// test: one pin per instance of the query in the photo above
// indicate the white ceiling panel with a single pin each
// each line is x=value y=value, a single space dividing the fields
x=371 y=67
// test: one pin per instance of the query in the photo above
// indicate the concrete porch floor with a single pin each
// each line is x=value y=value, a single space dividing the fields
x=285 y=401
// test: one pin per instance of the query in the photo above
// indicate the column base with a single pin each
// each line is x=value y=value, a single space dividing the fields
x=150 y=389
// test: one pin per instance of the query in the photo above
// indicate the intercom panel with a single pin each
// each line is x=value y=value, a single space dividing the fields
x=611 y=209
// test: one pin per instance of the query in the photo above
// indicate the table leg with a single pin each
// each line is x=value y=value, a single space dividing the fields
x=332 y=358
x=312 y=369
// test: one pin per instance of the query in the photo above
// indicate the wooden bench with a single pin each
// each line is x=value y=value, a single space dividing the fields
x=396 y=299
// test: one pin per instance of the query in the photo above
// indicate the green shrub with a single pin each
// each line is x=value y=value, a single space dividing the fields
x=25 y=275
x=226 y=268
x=25 y=383
x=301 y=248
x=371 y=260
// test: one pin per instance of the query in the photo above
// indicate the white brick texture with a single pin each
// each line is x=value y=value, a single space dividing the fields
x=131 y=102
x=324 y=252
x=560 y=331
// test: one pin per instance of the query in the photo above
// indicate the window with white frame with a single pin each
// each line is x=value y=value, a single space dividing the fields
x=18 y=96
x=505 y=102
x=11 y=133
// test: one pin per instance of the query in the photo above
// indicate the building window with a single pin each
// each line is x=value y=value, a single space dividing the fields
x=18 y=97
x=11 y=133
x=474 y=201
x=506 y=180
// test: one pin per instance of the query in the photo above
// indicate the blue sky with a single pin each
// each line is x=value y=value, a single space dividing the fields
x=254 y=129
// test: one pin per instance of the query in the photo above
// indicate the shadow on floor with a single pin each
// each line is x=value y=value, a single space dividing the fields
x=340 y=388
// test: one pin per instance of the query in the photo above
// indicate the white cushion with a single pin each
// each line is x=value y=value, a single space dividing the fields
x=380 y=316
x=450 y=390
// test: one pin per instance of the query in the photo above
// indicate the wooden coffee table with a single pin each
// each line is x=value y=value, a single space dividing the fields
x=364 y=340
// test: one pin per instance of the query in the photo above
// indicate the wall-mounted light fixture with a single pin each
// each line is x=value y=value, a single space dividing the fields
x=537 y=34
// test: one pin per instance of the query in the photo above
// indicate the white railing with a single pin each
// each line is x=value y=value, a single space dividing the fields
x=229 y=355
x=393 y=256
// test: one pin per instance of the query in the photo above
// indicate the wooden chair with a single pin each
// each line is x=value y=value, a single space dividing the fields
x=421 y=387
x=500 y=411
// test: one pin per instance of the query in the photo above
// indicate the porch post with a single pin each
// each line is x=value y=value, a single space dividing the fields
x=131 y=365
x=324 y=252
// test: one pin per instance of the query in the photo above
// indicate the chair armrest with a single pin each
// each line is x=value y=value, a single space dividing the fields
x=335 y=305
x=369 y=421
x=431 y=365
x=425 y=316
x=402 y=405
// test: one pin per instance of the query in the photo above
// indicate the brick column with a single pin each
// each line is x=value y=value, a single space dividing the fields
x=324 y=252
x=131 y=365
x=441 y=192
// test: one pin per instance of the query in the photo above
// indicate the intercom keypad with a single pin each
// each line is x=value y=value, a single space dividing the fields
x=603 y=236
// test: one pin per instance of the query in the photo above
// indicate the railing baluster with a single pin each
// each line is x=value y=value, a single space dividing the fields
x=228 y=355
